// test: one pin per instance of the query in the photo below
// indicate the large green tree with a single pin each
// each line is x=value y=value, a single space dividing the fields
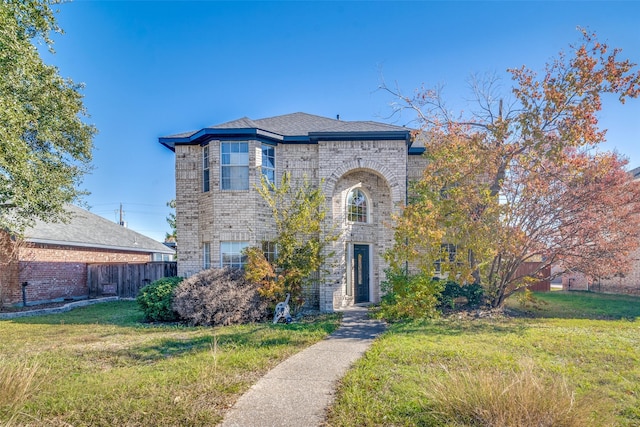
x=520 y=180
x=45 y=146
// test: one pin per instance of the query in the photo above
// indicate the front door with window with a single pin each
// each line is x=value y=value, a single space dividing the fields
x=361 y=273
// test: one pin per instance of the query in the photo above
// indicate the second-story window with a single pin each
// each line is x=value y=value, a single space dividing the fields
x=205 y=168
x=269 y=163
x=357 y=206
x=234 y=166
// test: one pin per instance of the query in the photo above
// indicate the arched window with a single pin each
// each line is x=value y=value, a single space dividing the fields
x=357 y=205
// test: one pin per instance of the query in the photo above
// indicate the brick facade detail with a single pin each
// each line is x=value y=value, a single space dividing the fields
x=378 y=167
x=55 y=272
x=626 y=284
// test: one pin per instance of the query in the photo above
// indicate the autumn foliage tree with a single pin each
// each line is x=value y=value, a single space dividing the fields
x=523 y=180
x=300 y=241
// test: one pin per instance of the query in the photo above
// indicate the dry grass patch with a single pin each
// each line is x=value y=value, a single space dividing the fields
x=515 y=398
x=18 y=382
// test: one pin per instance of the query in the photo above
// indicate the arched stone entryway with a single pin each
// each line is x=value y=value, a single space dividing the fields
x=357 y=266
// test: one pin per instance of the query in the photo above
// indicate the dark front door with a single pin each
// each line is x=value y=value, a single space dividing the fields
x=361 y=272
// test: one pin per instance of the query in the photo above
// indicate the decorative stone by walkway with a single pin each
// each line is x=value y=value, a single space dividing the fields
x=298 y=390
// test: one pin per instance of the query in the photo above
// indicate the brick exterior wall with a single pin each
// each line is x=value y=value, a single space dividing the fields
x=189 y=196
x=415 y=167
x=56 y=272
x=216 y=215
x=628 y=284
x=379 y=168
x=9 y=268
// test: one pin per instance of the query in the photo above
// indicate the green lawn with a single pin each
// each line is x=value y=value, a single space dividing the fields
x=576 y=345
x=100 y=366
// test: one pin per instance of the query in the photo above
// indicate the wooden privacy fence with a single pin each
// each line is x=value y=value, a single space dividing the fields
x=125 y=280
x=527 y=268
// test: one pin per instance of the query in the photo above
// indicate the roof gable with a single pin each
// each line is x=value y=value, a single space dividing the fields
x=296 y=124
x=242 y=123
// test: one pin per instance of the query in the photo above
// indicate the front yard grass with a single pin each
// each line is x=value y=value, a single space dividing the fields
x=100 y=366
x=578 y=349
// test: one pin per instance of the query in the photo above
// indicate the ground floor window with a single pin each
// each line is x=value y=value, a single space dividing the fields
x=448 y=255
x=231 y=254
x=270 y=251
x=206 y=255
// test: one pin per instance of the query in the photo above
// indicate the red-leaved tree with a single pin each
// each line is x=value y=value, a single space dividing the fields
x=522 y=180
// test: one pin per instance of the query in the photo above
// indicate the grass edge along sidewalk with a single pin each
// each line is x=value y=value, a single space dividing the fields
x=101 y=366
x=572 y=361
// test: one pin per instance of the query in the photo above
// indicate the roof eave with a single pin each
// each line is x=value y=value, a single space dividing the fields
x=99 y=246
x=361 y=136
x=206 y=134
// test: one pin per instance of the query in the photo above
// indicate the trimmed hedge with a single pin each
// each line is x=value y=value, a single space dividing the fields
x=156 y=299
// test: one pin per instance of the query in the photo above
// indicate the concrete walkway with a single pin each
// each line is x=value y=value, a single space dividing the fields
x=298 y=390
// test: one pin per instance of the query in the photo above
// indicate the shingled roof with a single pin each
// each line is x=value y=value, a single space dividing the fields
x=85 y=229
x=289 y=127
x=296 y=124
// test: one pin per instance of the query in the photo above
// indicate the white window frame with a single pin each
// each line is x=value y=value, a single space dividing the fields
x=232 y=160
x=233 y=249
x=266 y=169
x=367 y=210
x=448 y=255
x=206 y=172
x=270 y=250
x=206 y=255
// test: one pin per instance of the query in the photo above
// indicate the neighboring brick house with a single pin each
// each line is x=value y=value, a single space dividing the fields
x=364 y=168
x=628 y=283
x=53 y=257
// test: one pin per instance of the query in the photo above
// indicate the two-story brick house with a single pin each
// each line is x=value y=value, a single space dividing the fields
x=363 y=167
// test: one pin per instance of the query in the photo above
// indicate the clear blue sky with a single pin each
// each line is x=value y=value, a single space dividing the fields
x=157 y=68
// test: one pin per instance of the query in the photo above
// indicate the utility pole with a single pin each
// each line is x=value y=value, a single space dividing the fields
x=122 y=223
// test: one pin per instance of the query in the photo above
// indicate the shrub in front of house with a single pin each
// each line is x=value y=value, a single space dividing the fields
x=455 y=295
x=410 y=296
x=219 y=297
x=155 y=299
